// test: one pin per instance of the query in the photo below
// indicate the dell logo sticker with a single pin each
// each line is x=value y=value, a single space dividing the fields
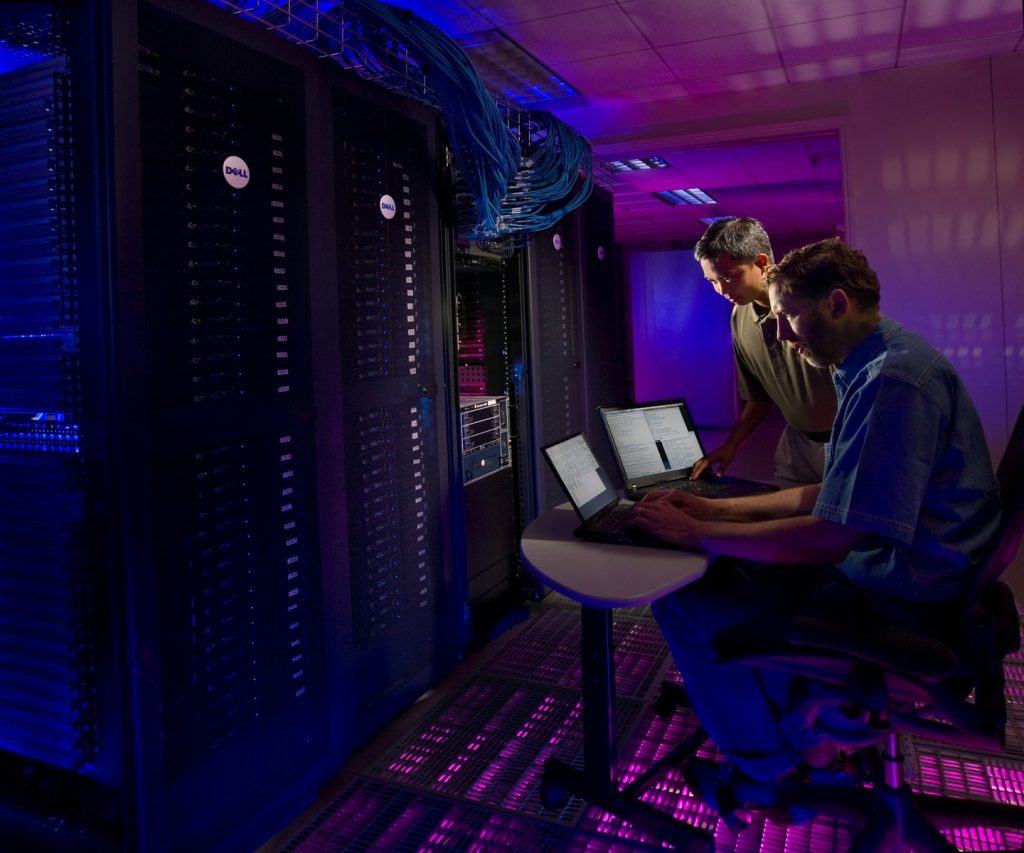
x=236 y=172
x=387 y=207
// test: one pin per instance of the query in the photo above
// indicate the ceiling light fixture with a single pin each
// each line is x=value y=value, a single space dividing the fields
x=638 y=164
x=690 y=196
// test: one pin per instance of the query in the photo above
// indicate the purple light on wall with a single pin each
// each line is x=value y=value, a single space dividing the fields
x=682 y=345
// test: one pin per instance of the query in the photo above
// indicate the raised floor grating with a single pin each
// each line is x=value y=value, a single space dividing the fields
x=466 y=777
x=373 y=816
x=556 y=599
x=548 y=650
x=488 y=743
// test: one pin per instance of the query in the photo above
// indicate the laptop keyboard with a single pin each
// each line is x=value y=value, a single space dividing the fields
x=614 y=521
x=707 y=487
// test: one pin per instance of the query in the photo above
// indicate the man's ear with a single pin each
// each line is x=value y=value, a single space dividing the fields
x=837 y=303
x=761 y=261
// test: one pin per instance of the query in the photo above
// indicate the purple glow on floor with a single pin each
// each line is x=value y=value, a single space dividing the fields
x=1007 y=784
x=468 y=775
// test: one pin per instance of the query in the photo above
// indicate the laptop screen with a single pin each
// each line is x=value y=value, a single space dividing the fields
x=581 y=475
x=653 y=439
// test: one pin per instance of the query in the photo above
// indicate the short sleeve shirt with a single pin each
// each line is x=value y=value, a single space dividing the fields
x=908 y=464
x=768 y=370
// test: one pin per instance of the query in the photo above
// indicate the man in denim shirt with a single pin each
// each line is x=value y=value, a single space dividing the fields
x=896 y=528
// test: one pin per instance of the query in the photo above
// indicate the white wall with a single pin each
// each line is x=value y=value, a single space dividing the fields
x=934 y=175
x=923 y=196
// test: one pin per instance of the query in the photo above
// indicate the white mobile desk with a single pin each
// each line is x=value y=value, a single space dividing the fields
x=602 y=577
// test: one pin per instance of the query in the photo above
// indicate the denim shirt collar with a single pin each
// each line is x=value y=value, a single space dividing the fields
x=864 y=353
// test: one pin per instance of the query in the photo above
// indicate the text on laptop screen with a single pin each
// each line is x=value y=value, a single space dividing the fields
x=578 y=469
x=653 y=439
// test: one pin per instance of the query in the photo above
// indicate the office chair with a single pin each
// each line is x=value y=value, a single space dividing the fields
x=880 y=682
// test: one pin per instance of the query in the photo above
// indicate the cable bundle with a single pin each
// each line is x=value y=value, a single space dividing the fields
x=486 y=153
x=519 y=173
x=554 y=175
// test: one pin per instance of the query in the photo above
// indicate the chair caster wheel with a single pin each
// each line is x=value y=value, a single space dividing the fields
x=553 y=796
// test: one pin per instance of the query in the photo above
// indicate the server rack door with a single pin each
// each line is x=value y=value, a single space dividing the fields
x=601 y=316
x=555 y=365
x=396 y=404
x=235 y=572
x=572 y=321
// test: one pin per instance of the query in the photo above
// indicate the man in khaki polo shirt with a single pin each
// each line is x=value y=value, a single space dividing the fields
x=735 y=255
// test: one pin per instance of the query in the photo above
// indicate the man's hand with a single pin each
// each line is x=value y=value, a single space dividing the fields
x=722 y=458
x=692 y=505
x=662 y=518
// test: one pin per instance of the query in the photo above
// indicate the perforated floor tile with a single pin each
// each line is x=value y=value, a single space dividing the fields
x=466 y=776
x=373 y=816
x=548 y=650
x=488 y=743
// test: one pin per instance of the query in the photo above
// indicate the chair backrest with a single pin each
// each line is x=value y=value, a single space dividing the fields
x=991 y=607
x=1010 y=474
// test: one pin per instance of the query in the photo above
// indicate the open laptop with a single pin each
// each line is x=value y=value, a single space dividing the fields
x=656 y=446
x=603 y=514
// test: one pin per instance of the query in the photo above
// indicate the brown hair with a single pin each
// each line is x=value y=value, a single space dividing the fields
x=815 y=270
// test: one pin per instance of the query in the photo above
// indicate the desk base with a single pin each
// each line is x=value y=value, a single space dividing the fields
x=596 y=783
x=560 y=779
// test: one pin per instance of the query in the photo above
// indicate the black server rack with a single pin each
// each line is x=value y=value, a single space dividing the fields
x=573 y=324
x=490 y=366
x=395 y=401
x=602 y=309
x=233 y=551
x=225 y=554
x=55 y=640
x=555 y=365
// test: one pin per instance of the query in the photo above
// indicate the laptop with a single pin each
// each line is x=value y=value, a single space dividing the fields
x=656 y=446
x=603 y=515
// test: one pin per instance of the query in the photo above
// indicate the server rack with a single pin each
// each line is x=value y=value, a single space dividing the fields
x=55 y=643
x=395 y=399
x=221 y=588
x=575 y=338
x=490 y=363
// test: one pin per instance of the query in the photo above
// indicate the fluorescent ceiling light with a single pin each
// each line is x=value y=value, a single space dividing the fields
x=693 y=195
x=638 y=164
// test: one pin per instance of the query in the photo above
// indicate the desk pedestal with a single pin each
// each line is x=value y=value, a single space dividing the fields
x=593 y=574
x=597 y=782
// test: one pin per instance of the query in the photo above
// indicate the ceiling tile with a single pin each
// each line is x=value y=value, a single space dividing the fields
x=671 y=22
x=935 y=22
x=956 y=51
x=504 y=12
x=733 y=54
x=784 y=12
x=852 y=35
x=578 y=35
x=737 y=82
x=841 y=66
x=711 y=167
x=776 y=161
x=638 y=93
x=628 y=70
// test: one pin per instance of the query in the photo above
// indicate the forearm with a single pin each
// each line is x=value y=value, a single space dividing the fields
x=805 y=539
x=751 y=417
x=785 y=503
